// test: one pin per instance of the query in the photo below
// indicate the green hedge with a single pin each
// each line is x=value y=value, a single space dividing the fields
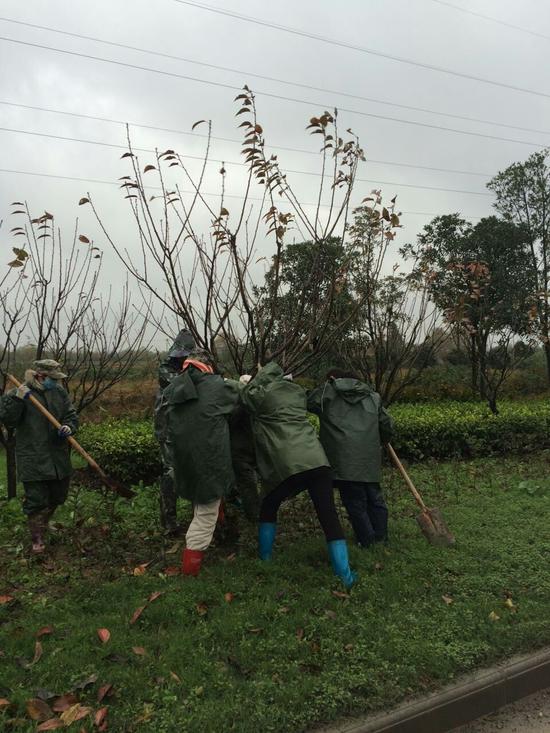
x=125 y=449
x=129 y=451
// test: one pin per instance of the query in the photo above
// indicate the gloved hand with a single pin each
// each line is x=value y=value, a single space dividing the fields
x=23 y=392
x=64 y=431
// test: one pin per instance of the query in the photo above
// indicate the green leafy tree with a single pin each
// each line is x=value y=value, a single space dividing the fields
x=523 y=197
x=482 y=279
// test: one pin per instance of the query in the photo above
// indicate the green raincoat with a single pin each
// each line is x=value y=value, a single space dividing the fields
x=353 y=427
x=198 y=410
x=284 y=439
x=41 y=455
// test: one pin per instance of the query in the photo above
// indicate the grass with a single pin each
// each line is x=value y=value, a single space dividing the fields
x=275 y=647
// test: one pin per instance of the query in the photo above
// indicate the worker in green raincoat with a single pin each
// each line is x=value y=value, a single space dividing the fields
x=199 y=404
x=354 y=425
x=169 y=368
x=290 y=459
x=42 y=453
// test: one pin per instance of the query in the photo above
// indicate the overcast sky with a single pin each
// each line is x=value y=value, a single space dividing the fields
x=423 y=31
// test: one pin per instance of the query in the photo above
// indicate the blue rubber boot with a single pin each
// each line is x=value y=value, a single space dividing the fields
x=266 y=538
x=338 y=553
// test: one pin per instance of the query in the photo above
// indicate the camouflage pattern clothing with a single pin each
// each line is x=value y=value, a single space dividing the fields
x=169 y=368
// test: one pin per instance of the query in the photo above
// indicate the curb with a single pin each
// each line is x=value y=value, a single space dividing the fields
x=477 y=695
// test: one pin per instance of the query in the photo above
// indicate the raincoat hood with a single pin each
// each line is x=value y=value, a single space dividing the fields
x=183 y=345
x=351 y=390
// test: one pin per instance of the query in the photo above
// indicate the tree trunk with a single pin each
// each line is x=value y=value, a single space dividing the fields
x=474 y=366
x=547 y=355
x=11 y=474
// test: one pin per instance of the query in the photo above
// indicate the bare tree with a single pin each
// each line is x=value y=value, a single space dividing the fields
x=209 y=281
x=50 y=300
x=397 y=329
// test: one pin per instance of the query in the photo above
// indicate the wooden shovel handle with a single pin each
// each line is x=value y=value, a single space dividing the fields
x=401 y=468
x=48 y=415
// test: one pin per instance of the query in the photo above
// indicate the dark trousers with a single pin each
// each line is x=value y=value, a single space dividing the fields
x=318 y=482
x=41 y=495
x=367 y=510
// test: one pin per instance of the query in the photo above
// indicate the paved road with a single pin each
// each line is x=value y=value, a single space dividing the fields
x=530 y=715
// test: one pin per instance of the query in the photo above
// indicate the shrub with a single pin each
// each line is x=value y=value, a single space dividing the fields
x=128 y=450
x=125 y=449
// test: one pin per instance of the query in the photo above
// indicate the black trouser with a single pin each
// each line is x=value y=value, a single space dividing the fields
x=366 y=509
x=318 y=482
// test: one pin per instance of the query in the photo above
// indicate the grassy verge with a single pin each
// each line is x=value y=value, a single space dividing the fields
x=273 y=647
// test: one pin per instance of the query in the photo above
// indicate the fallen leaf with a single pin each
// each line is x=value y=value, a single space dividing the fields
x=100 y=716
x=378 y=566
x=153 y=597
x=140 y=569
x=104 y=691
x=348 y=647
x=74 y=713
x=283 y=609
x=299 y=634
x=509 y=603
x=493 y=616
x=139 y=650
x=52 y=724
x=255 y=631
x=45 y=694
x=37 y=654
x=447 y=599
x=6 y=599
x=201 y=608
x=104 y=635
x=174 y=676
x=330 y=614
x=86 y=682
x=228 y=597
x=173 y=549
x=340 y=594
x=137 y=614
x=38 y=710
x=231 y=557
x=172 y=570
x=44 y=631
x=64 y=702
x=4 y=702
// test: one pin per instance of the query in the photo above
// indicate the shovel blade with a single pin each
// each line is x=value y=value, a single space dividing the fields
x=118 y=487
x=435 y=529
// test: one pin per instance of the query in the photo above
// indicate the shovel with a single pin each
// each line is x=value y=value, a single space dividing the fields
x=430 y=521
x=109 y=482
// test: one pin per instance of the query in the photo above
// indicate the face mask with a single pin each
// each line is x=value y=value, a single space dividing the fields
x=49 y=383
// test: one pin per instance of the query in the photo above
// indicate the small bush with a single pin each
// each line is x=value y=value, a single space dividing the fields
x=125 y=449
x=128 y=450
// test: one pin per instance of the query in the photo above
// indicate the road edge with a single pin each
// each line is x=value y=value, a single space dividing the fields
x=474 y=696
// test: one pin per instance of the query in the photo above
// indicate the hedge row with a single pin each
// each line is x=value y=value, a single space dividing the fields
x=128 y=450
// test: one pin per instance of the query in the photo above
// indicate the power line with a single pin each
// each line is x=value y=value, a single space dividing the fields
x=362 y=49
x=237 y=163
x=229 y=139
x=158 y=188
x=247 y=74
x=493 y=20
x=270 y=95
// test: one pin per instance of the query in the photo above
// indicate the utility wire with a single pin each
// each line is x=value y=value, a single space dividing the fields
x=270 y=95
x=229 y=139
x=233 y=162
x=493 y=20
x=248 y=74
x=159 y=188
x=362 y=49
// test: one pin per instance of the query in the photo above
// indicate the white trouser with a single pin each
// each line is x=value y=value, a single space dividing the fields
x=201 y=530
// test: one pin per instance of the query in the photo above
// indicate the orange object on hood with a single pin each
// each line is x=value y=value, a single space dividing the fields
x=201 y=366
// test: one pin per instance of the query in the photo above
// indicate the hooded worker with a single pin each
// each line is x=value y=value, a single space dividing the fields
x=198 y=406
x=353 y=426
x=42 y=452
x=169 y=368
x=290 y=460
x=244 y=458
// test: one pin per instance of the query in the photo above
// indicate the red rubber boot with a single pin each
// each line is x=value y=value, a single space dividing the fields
x=191 y=561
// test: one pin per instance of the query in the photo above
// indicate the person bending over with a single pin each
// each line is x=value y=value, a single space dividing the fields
x=354 y=425
x=290 y=459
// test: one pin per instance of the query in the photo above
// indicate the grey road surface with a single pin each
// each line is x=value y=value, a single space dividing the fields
x=530 y=715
